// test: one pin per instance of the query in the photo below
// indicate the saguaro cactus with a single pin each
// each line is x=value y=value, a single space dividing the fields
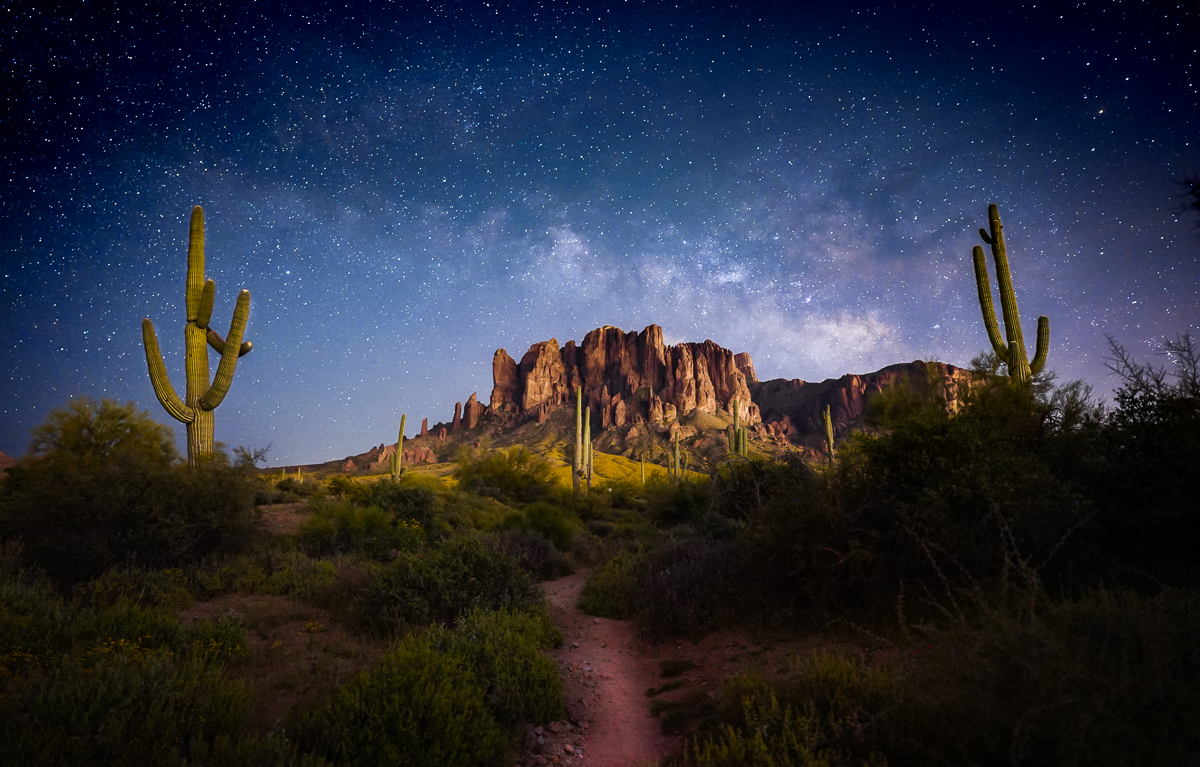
x=828 y=433
x=396 y=463
x=202 y=398
x=587 y=447
x=675 y=460
x=577 y=460
x=1011 y=351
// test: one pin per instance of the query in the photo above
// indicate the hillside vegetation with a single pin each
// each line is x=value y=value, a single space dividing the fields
x=1022 y=571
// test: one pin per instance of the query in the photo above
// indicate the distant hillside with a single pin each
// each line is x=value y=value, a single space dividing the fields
x=641 y=393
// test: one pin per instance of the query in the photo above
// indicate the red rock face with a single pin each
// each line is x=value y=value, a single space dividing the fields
x=504 y=376
x=473 y=411
x=793 y=408
x=626 y=377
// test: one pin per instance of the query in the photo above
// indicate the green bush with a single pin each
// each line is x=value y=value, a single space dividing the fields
x=126 y=706
x=826 y=717
x=145 y=588
x=341 y=528
x=533 y=552
x=420 y=707
x=437 y=586
x=501 y=647
x=515 y=474
x=101 y=491
x=690 y=587
x=279 y=573
x=1108 y=679
x=404 y=499
x=92 y=683
x=551 y=521
x=611 y=591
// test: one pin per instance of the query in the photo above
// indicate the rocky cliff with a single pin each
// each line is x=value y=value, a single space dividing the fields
x=631 y=378
x=626 y=378
x=792 y=408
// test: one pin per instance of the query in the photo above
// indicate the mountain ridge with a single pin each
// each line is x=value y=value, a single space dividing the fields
x=642 y=392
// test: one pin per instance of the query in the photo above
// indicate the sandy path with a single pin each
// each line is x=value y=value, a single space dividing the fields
x=606 y=670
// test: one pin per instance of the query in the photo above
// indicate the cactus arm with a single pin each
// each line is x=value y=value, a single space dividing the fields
x=159 y=378
x=985 y=303
x=229 y=357
x=206 y=304
x=194 y=285
x=1008 y=297
x=1043 y=345
x=218 y=344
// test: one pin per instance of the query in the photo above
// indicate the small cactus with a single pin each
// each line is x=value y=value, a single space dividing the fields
x=201 y=397
x=1011 y=350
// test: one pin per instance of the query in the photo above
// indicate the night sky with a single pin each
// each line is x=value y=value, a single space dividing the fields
x=406 y=187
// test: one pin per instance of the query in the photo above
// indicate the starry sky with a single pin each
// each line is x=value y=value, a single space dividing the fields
x=406 y=187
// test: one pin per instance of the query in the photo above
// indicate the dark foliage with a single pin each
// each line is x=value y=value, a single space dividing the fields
x=515 y=475
x=101 y=490
x=439 y=585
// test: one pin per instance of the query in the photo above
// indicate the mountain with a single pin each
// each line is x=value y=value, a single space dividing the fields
x=642 y=391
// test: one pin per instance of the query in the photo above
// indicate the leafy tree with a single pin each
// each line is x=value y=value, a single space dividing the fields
x=94 y=432
x=102 y=488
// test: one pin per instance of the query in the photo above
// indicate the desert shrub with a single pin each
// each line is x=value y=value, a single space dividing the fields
x=501 y=647
x=92 y=682
x=547 y=519
x=670 y=503
x=145 y=588
x=278 y=573
x=467 y=511
x=533 y=553
x=293 y=489
x=688 y=586
x=611 y=591
x=515 y=474
x=236 y=574
x=1108 y=679
x=124 y=707
x=100 y=490
x=824 y=718
x=294 y=575
x=436 y=586
x=342 y=528
x=406 y=500
x=420 y=706
x=1147 y=487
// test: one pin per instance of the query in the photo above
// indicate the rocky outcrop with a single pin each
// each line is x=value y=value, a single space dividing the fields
x=626 y=377
x=793 y=408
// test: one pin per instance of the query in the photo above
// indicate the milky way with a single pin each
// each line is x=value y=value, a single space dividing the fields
x=405 y=189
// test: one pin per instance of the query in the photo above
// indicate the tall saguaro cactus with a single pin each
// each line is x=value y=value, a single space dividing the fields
x=1011 y=350
x=577 y=461
x=396 y=463
x=202 y=398
x=587 y=449
x=828 y=433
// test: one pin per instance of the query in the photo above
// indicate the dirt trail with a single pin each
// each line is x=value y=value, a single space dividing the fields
x=606 y=669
